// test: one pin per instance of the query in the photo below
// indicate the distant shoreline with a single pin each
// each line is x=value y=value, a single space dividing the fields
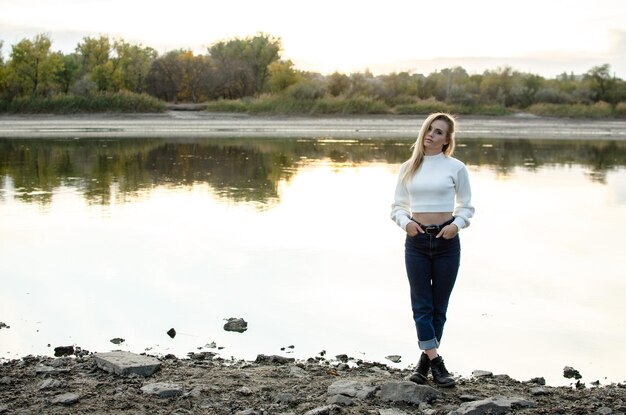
x=200 y=124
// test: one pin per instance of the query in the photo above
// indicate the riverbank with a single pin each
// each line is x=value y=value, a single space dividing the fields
x=198 y=124
x=205 y=384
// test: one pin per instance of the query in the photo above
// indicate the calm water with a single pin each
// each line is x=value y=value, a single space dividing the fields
x=131 y=237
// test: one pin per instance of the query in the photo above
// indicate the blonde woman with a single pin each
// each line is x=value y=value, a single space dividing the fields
x=432 y=203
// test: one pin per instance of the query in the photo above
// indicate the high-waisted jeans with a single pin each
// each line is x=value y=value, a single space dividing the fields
x=431 y=265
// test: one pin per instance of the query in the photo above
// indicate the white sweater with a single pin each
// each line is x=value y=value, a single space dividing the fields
x=441 y=184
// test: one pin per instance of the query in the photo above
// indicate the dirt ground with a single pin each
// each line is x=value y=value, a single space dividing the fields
x=199 y=124
x=209 y=385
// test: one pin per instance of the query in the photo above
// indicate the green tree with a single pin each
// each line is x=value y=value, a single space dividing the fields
x=96 y=61
x=495 y=87
x=33 y=69
x=338 y=84
x=132 y=66
x=3 y=75
x=601 y=83
x=242 y=64
x=400 y=87
x=281 y=76
x=165 y=77
x=197 y=79
x=71 y=69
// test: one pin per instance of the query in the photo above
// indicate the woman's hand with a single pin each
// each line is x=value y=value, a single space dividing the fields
x=448 y=231
x=413 y=229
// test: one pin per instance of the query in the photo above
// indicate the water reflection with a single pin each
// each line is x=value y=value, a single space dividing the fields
x=249 y=170
x=128 y=238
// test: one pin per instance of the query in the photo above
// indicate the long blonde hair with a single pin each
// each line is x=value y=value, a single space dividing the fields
x=417 y=157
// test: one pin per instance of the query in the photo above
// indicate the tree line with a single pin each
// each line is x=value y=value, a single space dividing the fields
x=252 y=67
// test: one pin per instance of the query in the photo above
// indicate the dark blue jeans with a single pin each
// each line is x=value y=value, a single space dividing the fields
x=432 y=265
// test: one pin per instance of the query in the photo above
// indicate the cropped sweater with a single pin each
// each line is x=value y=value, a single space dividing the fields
x=441 y=184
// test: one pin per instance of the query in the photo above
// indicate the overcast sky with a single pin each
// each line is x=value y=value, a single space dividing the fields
x=540 y=36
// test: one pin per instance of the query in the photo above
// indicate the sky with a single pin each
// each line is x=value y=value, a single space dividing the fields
x=544 y=37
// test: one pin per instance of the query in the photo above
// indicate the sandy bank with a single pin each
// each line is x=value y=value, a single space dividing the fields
x=196 y=124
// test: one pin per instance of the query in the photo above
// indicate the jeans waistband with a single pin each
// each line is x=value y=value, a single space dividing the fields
x=433 y=229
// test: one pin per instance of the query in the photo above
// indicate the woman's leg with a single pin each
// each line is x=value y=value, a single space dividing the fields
x=419 y=270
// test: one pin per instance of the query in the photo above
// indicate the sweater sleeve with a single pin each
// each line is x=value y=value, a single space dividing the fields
x=401 y=206
x=463 y=209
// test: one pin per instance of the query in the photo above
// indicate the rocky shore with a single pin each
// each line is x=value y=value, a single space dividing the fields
x=124 y=383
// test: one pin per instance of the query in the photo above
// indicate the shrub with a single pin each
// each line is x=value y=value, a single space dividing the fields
x=620 y=109
x=360 y=105
x=425 y=106
x=103 y=102
x=597 y=110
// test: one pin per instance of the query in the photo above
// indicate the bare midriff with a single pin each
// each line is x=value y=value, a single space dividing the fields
x=431 y=218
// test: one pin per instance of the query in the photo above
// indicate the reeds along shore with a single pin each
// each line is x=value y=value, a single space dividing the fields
x=128 y=102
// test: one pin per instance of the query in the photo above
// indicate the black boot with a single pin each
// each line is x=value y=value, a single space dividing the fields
x=440 y=374
x=421 y=373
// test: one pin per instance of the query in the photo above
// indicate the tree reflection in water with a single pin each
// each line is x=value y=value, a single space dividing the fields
x=248 y=169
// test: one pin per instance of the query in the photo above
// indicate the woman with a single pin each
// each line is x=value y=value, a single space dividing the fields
x=432 y=203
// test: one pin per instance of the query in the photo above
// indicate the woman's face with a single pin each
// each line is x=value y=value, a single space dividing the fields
x=436 y=137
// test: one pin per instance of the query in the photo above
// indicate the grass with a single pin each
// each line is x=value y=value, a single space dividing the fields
x=597 y=110
x=122 y=102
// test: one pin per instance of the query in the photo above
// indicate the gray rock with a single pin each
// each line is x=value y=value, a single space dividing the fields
x=298 y=372
x=4 y=326
x=604 y=411
x=351 y=388
x=343 y=367
x=324 y=410
x=391 y=412
x=539 y=380
x=3 y=409
x=496 y=405
x=470 y=398
x=236 y=324
x=285 y=398
x=408 y=392
x=540 y=391
x=380 y=371
x=42 y=370
x=274 y=359
x=482 y=373
x=394 y=358
x=245 y=391
x=249 y=412
x=195 y=392
x=341 y=400
x=162 y=389
x=63 y=351
x=569 y=373
x=65 y=399
x=60 y=362
x=5 y=380
x=126 y=363
x=51 y=384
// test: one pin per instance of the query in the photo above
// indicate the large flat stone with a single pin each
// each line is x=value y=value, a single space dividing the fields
x=126 y=363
